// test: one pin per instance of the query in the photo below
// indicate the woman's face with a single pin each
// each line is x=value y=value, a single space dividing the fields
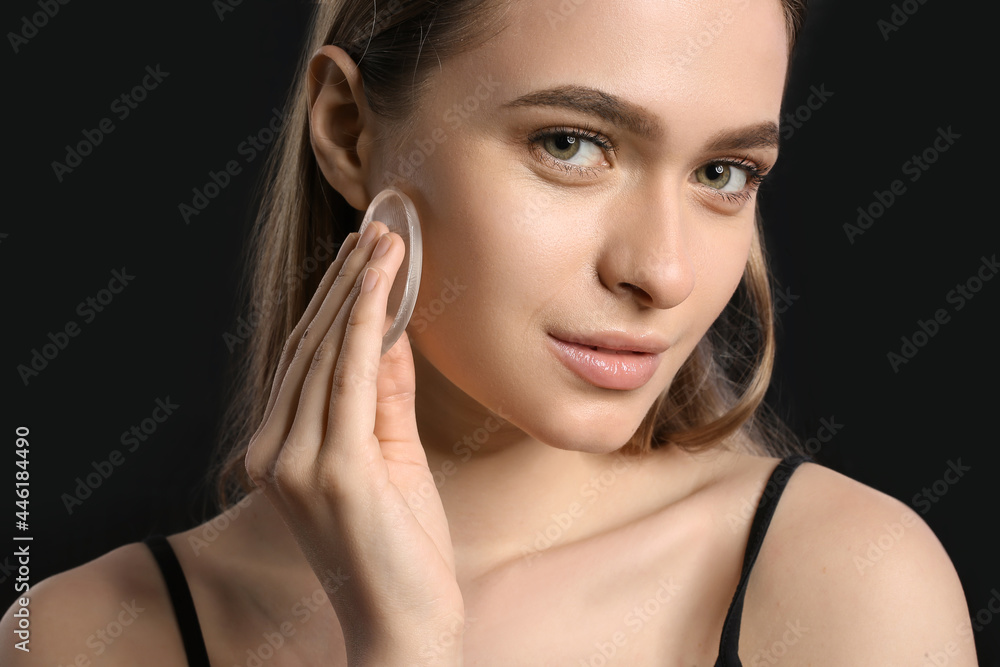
x=529 y=233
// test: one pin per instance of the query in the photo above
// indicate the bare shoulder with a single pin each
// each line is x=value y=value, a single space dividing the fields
x=850 y=575
x=113 y=610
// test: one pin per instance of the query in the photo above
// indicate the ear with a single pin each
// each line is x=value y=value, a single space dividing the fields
x=340 y=123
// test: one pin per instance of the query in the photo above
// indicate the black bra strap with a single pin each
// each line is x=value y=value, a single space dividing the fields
x=730 y=642
x=180 y=597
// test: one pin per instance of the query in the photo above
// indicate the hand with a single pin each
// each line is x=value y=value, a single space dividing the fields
x=338 y=455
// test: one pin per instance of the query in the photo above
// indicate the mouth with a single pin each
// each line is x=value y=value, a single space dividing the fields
x=615 y=341
x=609 y=350
x=608 y=368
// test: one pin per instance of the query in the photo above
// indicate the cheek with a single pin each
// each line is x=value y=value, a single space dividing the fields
x=473 y=260
x=721 y=257
x=719 y=263
x=489 y=230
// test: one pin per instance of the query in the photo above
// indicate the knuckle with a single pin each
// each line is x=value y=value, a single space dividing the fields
x=287 y=476
x=303 y=341
x=282 y=471
x=320 y=355
x=343 y=379
x=257 y=469
x=294 y=444
x=355 y=376
x=367 y=374
x=329 y=483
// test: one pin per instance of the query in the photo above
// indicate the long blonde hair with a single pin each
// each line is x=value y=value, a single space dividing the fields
x=717 y=395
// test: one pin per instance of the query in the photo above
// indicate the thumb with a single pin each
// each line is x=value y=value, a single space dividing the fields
x=395 y=407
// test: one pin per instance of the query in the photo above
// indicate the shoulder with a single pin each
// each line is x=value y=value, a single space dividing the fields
x=113 y=610
x=850 y=575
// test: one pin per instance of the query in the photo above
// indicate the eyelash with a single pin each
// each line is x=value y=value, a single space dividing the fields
x=755 y=172
x=586 y=133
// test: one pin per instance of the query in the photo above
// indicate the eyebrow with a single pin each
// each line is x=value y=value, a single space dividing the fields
x=594 y=102
x=636 y=119
x=761 y=135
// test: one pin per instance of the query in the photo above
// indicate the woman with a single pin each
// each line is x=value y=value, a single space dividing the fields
x=491 y=477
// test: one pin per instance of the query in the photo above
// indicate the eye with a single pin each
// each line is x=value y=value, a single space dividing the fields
x=720 y=176
x=733 y=180
x=572 y=149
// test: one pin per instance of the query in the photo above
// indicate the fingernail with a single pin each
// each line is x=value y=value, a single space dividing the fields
x=382 y=247
x=368 y=236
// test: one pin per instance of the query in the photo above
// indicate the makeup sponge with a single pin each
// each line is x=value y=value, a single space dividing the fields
x=396 y=211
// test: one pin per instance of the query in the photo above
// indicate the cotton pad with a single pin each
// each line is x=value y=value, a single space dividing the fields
x=396 y=211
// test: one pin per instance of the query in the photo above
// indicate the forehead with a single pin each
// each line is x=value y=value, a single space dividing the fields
x=722 y=63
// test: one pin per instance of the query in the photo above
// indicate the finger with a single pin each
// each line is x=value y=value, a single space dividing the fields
x=350 y=445
x=270 y=437
x=395 y=409
x=331 y=274
x=332 y=303
x=332 y=375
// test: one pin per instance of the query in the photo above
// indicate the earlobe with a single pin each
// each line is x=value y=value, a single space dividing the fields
x=339 y=123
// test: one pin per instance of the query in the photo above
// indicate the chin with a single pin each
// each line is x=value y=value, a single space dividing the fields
x=593 y=433
x=592 y=423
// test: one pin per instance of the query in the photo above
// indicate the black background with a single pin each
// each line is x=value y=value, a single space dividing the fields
x=162 y=335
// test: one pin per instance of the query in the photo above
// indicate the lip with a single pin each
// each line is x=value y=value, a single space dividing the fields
x=610 y=368
x=616 y=340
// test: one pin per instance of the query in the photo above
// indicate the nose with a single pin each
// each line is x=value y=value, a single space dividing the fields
x=647 y=254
